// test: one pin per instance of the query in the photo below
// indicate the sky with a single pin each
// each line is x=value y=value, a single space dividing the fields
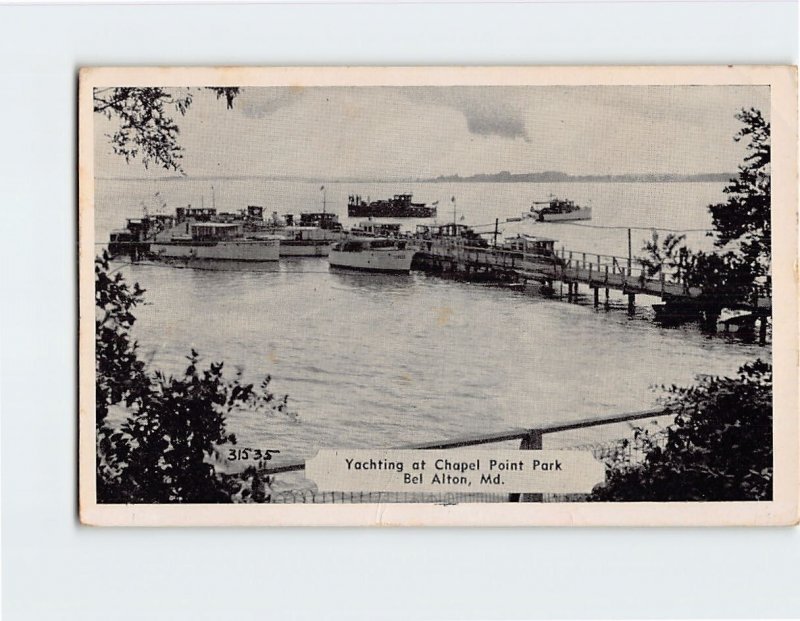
x=420 y=132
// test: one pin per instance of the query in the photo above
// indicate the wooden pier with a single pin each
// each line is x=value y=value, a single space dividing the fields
x=572 y=269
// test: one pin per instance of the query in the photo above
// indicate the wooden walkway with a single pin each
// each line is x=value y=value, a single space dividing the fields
x=597 y=271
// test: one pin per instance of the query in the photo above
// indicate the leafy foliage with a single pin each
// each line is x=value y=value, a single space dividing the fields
x=147 y=129
x=120 y=373
x=668 y=257
x=173 y=428
x=725 y=279
x=745 y=217
x=718 y=448
x=741 y=226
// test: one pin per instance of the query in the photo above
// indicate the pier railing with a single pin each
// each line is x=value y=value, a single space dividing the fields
x=627 y=274
x=529 y=439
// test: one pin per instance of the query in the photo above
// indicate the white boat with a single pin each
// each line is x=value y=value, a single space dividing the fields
x=307 y=241
x=557 y=210
x=312 y=236
x=222 y=241
x=372 y=255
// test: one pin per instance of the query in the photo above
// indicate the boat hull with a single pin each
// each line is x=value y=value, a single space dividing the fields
x=305 y=248
x=241 y=250
x=375 y=260
x=585 y=213
x=389 y=211
x=581 y=214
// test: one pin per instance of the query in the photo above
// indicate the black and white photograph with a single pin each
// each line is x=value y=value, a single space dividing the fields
x=469 y=296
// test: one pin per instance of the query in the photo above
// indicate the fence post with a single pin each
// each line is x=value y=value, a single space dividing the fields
x=530 y=442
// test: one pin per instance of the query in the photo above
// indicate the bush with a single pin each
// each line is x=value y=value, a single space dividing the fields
x=165 y=449
x=718 y=448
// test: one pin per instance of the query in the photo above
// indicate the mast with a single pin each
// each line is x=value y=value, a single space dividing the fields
x=213 y=198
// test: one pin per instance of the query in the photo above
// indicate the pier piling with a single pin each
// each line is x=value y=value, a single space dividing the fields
x=679 y=301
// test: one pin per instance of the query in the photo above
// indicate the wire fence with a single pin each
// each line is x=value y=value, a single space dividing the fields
x=629 y=450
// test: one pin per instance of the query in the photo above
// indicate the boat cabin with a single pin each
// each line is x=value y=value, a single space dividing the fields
x=308 y=233
x=255 y=212
x=201 y=214
x=323 y=220
x=377 y=229
x=452 y=232
x=210 y=231
x=529 y=244
x=139 y=227
x=120 y=241
x=554 y=205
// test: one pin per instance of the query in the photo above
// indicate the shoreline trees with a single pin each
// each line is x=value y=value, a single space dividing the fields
x=720 y=444
x=742 y=231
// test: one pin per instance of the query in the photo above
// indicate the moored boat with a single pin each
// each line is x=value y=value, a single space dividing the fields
x=532 y=248
x=557 y=210
x=310 y=235
x=307 y=241
x=368 y=228
x=399 y=206
x=222 y=241
x=372 y=255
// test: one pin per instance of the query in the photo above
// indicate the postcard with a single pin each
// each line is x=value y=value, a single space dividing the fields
x=438 y=296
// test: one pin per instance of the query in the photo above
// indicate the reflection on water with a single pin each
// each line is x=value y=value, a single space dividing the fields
x=215 y=265
x=371 y=282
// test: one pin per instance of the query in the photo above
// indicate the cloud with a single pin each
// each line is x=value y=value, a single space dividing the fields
x=486 y=110
x=258 y=103
x=485 y=121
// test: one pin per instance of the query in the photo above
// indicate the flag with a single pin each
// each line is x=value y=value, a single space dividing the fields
x=453 y=199
x=435 y=203
x=322 y=188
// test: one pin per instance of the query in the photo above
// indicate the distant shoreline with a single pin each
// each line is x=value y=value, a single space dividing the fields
x=502 y=177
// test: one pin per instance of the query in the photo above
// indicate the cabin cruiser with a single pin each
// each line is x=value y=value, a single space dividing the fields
x=557 y=210
x=215 y=240
x=372 y=254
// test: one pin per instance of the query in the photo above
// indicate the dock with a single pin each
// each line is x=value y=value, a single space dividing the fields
x=598 y=272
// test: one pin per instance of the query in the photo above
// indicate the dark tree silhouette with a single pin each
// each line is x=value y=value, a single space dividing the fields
x=147 y=129
x=744 y=218
x=741 y=229
x=719 y=447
